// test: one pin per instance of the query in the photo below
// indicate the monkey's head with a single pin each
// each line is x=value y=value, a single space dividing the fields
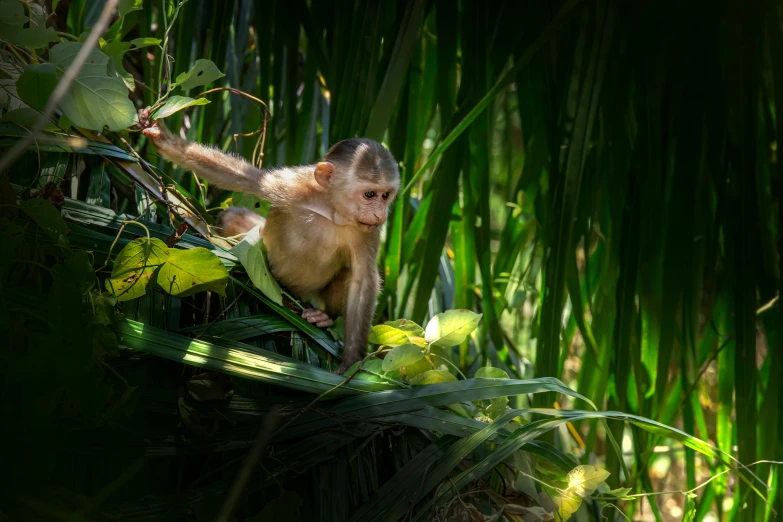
x=362 y=178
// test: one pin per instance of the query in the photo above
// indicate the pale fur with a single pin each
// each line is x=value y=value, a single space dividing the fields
x=308 y=253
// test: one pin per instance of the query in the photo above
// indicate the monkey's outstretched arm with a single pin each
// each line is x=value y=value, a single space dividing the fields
x=280 y=186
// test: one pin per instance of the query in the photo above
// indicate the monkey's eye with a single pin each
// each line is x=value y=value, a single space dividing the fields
x=385 y=195
x=369 y=194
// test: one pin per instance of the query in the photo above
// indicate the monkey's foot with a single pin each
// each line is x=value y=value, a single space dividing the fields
x=317 y=317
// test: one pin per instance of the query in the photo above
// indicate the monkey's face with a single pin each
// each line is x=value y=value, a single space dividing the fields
x=371 y=204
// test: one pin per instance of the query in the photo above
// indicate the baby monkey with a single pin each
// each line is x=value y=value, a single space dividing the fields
x=322 y=231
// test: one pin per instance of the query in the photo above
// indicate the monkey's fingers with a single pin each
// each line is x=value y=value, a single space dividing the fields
x=317 y=317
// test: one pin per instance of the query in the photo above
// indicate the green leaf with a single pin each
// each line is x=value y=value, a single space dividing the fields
x=250 y=253
x=95 y=99
x=202 y=73
x=12 y=20
x=138 y=43
x=126 y=6
x=488 y=372
x=619 y=492
x=36 y=84
x=176 y=104
x=388 y=335
x=411 y=370
x=134 y=267
x=187 y=272
x=497 y=407
x=451 y=327
x=433 y=377
x=25 y=117
x=46 y=215
x=409 y=327
x=402 y=356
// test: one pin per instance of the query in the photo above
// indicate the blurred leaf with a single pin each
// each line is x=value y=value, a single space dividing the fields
x=410 y=328
x=202 y=73
x=452 y=327
x=689 y=510
x=584 y=480
x=126 y=6
x=402 y=356
x=36 y=84
x=187 y=272
x=145 y=42
x=12 y=20
x=433 y=377
x=488 y=372
x=250 y=254
x=25 y=117
x=175 y=104
x=46 y=216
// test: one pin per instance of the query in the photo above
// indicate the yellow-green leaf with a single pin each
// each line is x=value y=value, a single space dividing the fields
x=190 y=271
x=409 y=327
x=488 y=372
x=176 y=104
x=134 y=267
x=451 y=327
x=402 y=356
x=388 y=335
x=584 y=480
x=250 y=253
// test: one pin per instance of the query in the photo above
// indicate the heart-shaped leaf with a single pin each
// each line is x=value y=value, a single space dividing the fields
x=451 y=327
x=202 y=73
x=584 y=480
x=402 y=356
x=187 y=272
x=176 y=104
x=134 y=267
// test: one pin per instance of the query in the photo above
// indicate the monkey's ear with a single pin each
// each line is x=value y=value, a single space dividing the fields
x=323 y=173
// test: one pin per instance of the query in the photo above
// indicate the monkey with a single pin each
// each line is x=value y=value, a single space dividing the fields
x=323 y=229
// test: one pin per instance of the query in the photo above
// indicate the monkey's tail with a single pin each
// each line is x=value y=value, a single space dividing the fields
x=238 y=220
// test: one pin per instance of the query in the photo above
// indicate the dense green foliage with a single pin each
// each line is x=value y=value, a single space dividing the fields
x=590 y=221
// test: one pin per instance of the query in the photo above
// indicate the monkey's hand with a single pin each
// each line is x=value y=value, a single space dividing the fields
x=155 y=131
x=317 y=317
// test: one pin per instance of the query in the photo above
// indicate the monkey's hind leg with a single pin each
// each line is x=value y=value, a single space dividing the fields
x=238 y=220
x=317 y=317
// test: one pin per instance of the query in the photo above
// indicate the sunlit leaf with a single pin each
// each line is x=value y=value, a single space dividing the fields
x=95 y=99
x=250 y=254
x=134 y=267
x=189 y=271
x=619 y=492
x=402 y=356
x=175 y=104
x=145 y=42
x=202 y=73
x=451 y=327
x=689 y=510
x=413 y=369
x=388 y=335
x=409 y=327
x=126 y=6
x=584 y=480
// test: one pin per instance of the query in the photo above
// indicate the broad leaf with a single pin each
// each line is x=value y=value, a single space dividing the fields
x=176 y=104
x=451 y=327
x=187 y=272
x=390 y=336
x=689 y=510
x=619 y=492
x=402 y=356
x=412 y=370
x=433 y=377
x=202 y=73
x=134 y=267
x=138 y=43
x=250 y=253
x=25 y=117
x=36 y=84
x=95 y=99
x=46 y=215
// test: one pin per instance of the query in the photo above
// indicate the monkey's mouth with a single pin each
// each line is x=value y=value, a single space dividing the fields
x=368 y=227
